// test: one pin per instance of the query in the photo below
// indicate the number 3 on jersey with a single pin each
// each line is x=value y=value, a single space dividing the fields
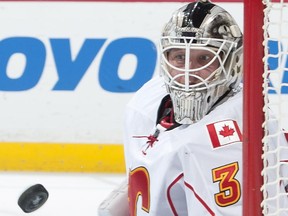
x=229 y=186
x=139 y=178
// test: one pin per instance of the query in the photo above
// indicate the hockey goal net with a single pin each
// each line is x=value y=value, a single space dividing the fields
x=265 y=151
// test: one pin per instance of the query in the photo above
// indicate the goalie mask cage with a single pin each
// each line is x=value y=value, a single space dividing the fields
x=265 y=104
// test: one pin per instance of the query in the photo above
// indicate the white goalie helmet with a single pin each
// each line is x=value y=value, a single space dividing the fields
x=201 y=59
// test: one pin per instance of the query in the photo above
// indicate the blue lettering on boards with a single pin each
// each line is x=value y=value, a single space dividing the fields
x=35 y=54
x=146 y=55
x=275 y=47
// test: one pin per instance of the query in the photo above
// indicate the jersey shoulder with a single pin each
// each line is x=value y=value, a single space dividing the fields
x=148 y=97
x=230 y=109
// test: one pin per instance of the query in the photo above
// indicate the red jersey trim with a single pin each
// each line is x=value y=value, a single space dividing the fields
x=200 y=199
x=169 y=193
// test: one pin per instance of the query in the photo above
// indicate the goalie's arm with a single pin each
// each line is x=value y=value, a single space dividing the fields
x=116 y=204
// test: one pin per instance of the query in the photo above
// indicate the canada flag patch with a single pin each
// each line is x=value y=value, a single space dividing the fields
x=224 y=133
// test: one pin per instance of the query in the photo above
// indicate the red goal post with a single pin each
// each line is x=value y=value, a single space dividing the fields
x=260 y=31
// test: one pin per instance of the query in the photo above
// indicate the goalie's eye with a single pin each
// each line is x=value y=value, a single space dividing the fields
x=204 y=59
x=177 y=57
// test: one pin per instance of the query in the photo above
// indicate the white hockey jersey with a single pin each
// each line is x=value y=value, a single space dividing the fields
x=188 y=170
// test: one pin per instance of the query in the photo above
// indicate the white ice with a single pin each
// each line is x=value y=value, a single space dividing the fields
x=70 y=194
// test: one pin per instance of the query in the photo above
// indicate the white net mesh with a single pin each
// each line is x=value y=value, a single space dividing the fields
x=275 y=156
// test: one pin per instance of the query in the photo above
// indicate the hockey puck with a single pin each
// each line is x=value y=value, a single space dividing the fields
x=33 y=198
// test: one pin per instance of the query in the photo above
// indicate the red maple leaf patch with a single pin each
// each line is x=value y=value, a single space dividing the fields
x=226 y=131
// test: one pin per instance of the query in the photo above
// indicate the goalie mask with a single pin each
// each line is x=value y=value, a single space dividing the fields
x=201 y=59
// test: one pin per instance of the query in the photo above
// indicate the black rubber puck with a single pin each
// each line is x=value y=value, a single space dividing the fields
x=33 y=198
